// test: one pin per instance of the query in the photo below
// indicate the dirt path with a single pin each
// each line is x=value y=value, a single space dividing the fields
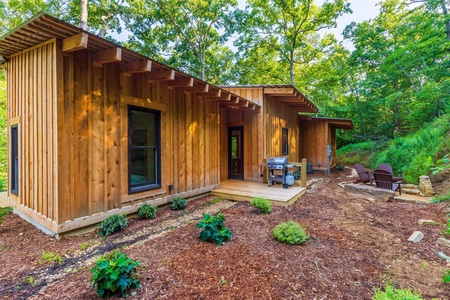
x=355 y=246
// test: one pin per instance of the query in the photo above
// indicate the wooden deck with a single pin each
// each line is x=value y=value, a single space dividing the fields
x=246 y=191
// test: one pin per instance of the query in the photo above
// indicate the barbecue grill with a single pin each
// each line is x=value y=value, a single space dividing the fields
x=277 y=168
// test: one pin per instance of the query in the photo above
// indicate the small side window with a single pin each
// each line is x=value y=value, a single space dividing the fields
x=284 y=142
x=14 y=158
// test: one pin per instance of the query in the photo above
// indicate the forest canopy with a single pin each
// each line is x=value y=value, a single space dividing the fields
x=395 y=80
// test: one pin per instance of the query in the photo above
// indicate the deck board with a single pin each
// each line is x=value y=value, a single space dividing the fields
x=246 y=191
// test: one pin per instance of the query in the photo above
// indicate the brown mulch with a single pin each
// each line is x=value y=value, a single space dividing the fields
x=355 y=246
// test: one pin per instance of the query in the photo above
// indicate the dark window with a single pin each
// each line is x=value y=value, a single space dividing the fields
x=284 y=142
x=14 y=176
x=144 y=153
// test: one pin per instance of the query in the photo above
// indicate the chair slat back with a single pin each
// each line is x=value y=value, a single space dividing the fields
x=383 y=179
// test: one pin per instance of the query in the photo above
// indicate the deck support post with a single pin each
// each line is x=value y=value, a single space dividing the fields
x=303 y=176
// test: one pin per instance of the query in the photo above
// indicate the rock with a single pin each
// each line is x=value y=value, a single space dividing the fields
x=425 y=185
x=411 y=191
x=408 y=186
x=416 y=237
x=443 y=242
x=427 y=222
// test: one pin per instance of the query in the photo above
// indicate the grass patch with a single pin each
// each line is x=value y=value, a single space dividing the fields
x=391 y=293
x=441 y=198
x=50 y=257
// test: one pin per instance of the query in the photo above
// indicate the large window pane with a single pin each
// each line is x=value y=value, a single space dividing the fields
x=144 y=152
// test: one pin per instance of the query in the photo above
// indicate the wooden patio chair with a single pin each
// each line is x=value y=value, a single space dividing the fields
x=388 y=168
x=384 y=180
x=364 y=175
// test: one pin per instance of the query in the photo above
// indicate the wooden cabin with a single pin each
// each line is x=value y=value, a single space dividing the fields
x=318 y=140
x=273 y=131
x=96 y=129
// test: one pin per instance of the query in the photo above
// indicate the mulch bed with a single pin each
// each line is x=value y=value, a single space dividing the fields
x=355 y=246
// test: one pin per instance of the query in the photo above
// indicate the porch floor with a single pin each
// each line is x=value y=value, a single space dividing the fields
x=245 y=191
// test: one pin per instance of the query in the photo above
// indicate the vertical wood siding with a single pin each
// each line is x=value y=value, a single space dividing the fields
x=31 y=104
x=315 y=136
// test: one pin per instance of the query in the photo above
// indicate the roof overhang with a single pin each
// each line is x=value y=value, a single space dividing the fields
x=335 y=122
x=285 y=94
x=43 y=27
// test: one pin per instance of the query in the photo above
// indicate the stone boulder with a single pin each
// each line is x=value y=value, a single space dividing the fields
x=425 y=186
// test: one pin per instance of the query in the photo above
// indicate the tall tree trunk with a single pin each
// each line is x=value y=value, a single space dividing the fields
x=291 y=66
x=447 y=24
x=84 y=14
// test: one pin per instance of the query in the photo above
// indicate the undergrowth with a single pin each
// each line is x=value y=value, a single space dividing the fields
x=414 y=155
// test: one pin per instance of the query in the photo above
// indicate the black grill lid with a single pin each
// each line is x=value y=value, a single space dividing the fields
x=277 y=161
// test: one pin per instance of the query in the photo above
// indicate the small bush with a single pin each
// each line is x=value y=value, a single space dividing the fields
x=2 y=184
x=213 y=229
x=446 y=276
x=392 y=293
x=50 y=257
x=178 y=203
x=114 y=273
x=147 y=211
x=112 y=224
x=262 y=205
x=290 y=232
x=4 y=211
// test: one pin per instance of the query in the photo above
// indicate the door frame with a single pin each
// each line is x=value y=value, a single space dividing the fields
x=241 y=151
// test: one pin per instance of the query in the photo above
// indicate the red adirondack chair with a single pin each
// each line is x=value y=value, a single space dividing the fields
x=364 y=175
x=384 y=180
x=388 y=168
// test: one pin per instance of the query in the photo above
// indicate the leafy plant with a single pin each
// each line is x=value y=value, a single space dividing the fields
x=442 y=164
x=2 y=184
x=178 y=203
x=30 y=280
x=147 y=211
x=213 y=229
x=290 y=232
x=50 y=257
x=446 y=276
x=441 y=198
x=262 y=205
x=112 y=224
x=392 y=293
x=114 y=273
x=4 y=211
x=217 y=200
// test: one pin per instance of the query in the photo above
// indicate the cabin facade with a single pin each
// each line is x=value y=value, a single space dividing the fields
x=95 y=129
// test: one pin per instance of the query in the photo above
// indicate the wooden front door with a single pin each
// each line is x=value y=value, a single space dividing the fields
x=236 y=153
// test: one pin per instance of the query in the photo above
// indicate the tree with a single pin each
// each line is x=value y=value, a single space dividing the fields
x=183 y=33
x=285 y=25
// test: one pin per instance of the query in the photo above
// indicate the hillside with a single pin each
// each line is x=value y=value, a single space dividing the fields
x=418 y=153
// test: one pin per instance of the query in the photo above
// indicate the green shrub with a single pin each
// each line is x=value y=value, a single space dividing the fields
x=213 y=229
x=178 y=203
x=290 y=232
x=262 y=205
x=114 y=273
x=112 y=224
x=2 y=184
x=4 y=211
x=446 y=276
x=392 y=293
x=147 y=211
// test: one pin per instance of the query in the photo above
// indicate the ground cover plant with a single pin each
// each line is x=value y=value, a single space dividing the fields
x=114 y=273
x=354 y=245
x=147 y=211
x=391 y=293
x=50 y=257
x=213 y=229
x=290 y=232
x=178 y=203
x=262 y=205
x=446 y=276
x=112 y=224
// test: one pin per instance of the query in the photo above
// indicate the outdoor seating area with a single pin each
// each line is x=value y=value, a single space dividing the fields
x=382 y=177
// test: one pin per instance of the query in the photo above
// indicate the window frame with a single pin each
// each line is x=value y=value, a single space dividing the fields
x=284 y=143
x=15 y=167
x=157 y=183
